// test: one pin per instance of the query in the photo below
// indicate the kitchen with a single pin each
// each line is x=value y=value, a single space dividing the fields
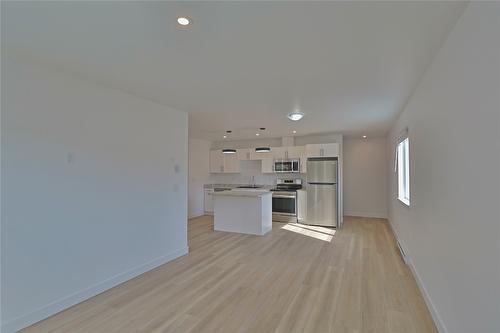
x=250 y=166
x=304 y=179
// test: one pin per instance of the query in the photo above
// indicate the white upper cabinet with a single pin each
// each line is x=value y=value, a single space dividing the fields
x=259 y=155
x=323 y=150
x=244 y=154
x=283 y=153
x=231 y=163
x=249 y=154
x=224 y=163
x=216 y=161
x=331 y=149
x=295 y=152
x=268 y=165
x=279 y=153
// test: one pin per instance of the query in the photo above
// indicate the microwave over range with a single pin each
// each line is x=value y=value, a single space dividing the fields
x=287 y=166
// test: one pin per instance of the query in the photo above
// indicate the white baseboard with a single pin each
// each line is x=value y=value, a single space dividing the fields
x=365 y=214
x=430 y=305
x=195 y=216
x=428 y=301
x=80 y=296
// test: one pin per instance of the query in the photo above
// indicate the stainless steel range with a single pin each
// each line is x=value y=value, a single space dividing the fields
x=285 y=200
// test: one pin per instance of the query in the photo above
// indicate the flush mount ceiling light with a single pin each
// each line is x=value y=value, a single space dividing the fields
x=225 y=136
x=229 y=151
x=364 y=136
x=257 y=134
x=295 y=115
x=294 y=132
x=262 y=150
x=184 y=21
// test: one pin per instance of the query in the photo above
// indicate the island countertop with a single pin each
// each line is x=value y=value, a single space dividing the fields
x=243 y=193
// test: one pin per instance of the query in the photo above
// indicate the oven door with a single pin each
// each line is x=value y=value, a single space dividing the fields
x=285 y=204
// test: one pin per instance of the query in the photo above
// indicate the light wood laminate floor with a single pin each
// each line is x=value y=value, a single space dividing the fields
x=294 y=279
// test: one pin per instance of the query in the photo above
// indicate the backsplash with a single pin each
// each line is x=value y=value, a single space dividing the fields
x=247 y=170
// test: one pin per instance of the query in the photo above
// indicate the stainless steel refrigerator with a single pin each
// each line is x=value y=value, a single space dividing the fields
x=322 y=191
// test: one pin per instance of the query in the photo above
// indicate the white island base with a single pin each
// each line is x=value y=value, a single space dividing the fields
x=246 y=212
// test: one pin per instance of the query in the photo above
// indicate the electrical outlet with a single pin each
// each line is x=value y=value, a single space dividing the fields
x=70 y=158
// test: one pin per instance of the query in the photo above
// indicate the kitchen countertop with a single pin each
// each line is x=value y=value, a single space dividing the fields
x=233 y=186
x=254 y=193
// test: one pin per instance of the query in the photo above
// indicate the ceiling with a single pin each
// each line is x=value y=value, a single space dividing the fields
x=349 y=66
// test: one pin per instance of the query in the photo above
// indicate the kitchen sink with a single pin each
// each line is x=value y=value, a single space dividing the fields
x=220 y=189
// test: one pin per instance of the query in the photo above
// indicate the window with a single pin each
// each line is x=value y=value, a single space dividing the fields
x=403 y=170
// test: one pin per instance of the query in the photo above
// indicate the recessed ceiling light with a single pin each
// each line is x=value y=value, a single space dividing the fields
x=184 y=21
x=295 y=115
x=257 y=134
x=229 y=151
x=294 y=132
x=225 y=136
x=364 y=136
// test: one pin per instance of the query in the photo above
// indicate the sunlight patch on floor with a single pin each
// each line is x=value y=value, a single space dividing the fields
x=321 y=233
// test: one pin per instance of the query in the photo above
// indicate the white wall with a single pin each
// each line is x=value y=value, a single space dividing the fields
x=365 y=177
x=199 y=174
x=451 y=232
x=94 y=189
x=270 y=142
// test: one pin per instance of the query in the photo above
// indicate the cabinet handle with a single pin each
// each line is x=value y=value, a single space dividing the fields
x=321 y=152
x=286 y=154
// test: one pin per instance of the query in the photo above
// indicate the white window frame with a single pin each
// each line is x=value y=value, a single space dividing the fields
x=403 y=169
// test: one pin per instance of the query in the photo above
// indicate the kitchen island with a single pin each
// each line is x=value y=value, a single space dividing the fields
x=243 y=211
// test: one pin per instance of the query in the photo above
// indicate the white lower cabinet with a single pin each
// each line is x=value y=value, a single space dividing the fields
x=209 y=201
x=301 y=205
